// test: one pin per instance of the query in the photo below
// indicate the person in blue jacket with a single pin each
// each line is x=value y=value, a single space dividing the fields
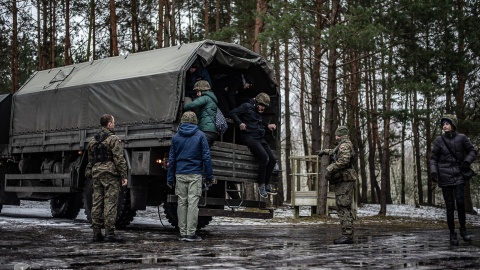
x=189 y=155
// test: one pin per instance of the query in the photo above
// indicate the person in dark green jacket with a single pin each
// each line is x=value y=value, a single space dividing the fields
x=206 y=108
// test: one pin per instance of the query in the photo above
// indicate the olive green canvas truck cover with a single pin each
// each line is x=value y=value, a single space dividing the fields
x=140 y=88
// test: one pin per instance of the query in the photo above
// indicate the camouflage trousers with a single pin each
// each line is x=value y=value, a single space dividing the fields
x=105 y=197
x=343 y=199
x=188 y=189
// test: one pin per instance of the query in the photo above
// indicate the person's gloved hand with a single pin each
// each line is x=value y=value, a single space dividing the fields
x=465 y=165
x=434 y=177
x=321 y=153
x=170 y=184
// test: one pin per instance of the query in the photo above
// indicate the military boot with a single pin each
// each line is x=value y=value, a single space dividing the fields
x=453 y=239
x=464 y=235
x=97 y=236
x=345 y=239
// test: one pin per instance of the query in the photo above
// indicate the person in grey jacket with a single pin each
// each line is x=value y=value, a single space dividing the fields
x=451 y=153
x=206 y=108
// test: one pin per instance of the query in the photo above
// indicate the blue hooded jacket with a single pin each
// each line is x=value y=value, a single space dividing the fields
x=189 y=152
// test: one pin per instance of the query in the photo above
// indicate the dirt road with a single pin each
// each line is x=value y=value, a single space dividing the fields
x=46 y=243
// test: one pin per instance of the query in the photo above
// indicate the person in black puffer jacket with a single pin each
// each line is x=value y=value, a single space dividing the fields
x=445 y=170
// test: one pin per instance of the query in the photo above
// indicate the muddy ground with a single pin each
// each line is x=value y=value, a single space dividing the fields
x=42 y=242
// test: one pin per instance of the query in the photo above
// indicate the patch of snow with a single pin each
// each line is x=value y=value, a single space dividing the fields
x=282 y=216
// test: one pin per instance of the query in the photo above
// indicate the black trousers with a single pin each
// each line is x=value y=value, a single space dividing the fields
x=452 y=195
x=265 y=157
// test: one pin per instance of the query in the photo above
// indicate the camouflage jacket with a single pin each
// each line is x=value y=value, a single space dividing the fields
x=115 y=167
x=340 y=166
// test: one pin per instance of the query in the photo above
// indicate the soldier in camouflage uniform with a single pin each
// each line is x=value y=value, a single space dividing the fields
x=106 y=169
x=341 y=173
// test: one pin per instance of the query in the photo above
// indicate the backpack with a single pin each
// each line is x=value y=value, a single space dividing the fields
x=100 y=151
x=220 y=121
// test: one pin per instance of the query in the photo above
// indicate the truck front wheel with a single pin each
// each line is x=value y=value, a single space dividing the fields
x=66 y=206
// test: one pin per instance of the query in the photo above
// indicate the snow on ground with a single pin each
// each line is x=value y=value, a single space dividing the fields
x=282 y=216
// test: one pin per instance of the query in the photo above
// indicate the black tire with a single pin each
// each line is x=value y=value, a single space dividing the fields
x=170 y=210
x=66 y=206
x=125 y=214
x=1 y=206
x=88 y=199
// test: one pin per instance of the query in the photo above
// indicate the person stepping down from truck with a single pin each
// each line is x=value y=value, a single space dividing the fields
x=248 y=117
x=106 y=166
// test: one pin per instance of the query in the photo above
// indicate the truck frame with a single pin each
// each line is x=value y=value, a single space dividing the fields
x=46 y=125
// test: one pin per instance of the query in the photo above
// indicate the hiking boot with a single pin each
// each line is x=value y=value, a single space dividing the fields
x=193 y=238
x=262 y=191
x=98 y=237
x=113 y=238
x=270 y=190
x=463 y=234
x=344 y=240
x=182 y=238
x=453 y=239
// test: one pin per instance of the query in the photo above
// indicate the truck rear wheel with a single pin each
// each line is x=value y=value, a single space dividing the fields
x=66 y=206
x=125 y=214
x=170 y=210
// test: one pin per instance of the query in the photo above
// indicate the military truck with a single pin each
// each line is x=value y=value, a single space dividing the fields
x=46 y=125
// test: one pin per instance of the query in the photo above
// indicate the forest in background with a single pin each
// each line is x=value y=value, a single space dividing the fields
x=387 y=69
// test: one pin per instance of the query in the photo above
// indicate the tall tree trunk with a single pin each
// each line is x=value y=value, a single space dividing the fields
x=354 y=111
x=331 y=112
x=288 y=125
x=44 y=35
x=39 y=37
x=387 y=85
x=172 y=24
x=166 y=20
x=113 y=27
x=404 y=137
x=302 y=96
x=134 y=23
x=416 y=146
x=90 y=27
x=15 y=83
x=281 y=192
x=428 y=142
x=261 y=8
x=372 y=132
x=160 y=24
x=206 y=12
x=52 y=33
x=67 y=34
x=316 y=134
